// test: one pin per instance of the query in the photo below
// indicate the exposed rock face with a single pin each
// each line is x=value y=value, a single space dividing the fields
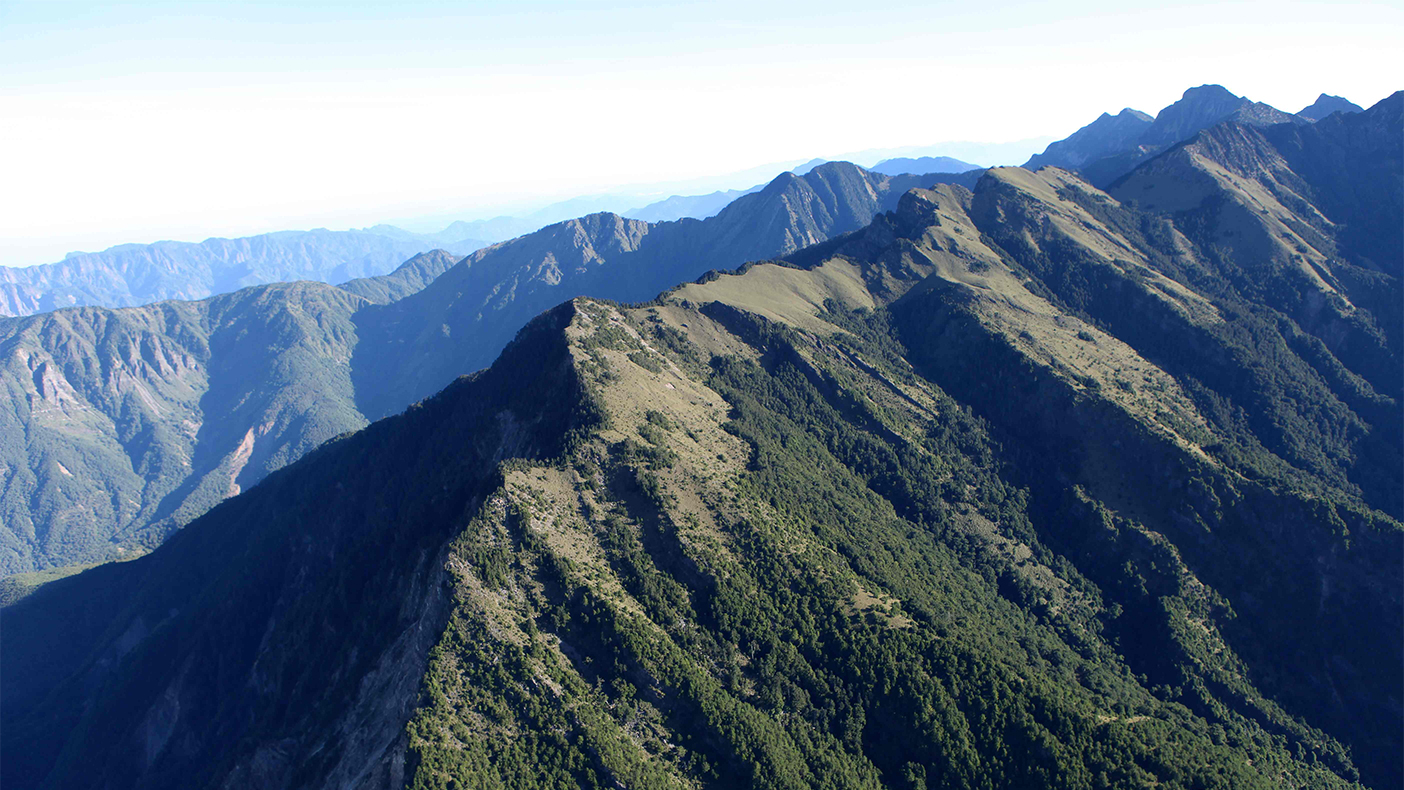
x=125 y=424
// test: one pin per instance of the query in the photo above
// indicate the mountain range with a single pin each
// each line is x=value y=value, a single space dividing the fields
x=1021 y=483
x=125 y=424
x=1113 y=145
x=137 y=274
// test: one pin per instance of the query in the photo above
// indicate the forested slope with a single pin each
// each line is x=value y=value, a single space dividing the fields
x=897 y=512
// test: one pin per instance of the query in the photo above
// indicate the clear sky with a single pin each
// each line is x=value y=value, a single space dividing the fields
x=141 y=121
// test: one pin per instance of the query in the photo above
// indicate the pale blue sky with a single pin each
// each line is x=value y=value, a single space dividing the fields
x=138 y=121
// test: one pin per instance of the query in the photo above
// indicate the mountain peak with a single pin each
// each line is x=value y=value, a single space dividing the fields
x=808 y=166
x=1197 y=109
x=1093 y=141
x=1326 y=104
x=1208 y=92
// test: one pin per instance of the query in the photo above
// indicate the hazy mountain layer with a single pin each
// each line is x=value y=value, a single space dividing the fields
x=684 y=206
x=923 y=164
x=965 y=498
x=137 y=274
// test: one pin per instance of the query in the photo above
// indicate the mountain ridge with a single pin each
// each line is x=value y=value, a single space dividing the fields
x=564 y=260
x=931 y=473
x=141 y=440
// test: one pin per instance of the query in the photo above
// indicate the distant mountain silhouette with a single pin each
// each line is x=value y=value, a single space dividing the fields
x=1112 y=146
x=684 y=206
x=923 y=164
x=1326 y=104
x=136 y=274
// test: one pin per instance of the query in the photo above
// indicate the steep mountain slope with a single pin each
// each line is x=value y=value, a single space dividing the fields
x=1112 y=146
x=388 y=497
x=915 y=508
x=1326 y=104
x=122 y=425
x=410 y=277
x=1098 y=359
x=460 y=322
x=1352 y=163
x=136 y=274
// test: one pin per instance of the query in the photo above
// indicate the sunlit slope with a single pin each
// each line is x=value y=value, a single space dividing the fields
x=123 y=425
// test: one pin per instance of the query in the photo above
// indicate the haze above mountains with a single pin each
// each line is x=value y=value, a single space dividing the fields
x=1078 y=476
